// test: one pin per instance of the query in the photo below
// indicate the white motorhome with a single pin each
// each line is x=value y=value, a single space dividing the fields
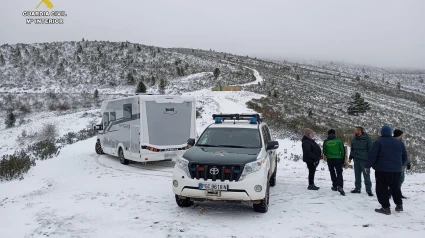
x=146 y=127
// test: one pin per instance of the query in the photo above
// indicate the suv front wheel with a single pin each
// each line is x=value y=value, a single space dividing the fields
x=263 y=206
x=185 y=202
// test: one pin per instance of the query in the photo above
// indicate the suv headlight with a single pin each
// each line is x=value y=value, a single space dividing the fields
x=251 y=168
x=183 y=164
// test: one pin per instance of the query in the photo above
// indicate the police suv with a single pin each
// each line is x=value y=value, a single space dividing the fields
x=234 y=159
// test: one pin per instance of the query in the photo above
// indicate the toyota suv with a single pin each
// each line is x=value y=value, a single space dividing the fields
x=234 y=159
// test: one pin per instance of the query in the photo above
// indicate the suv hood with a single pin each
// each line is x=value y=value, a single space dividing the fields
x=221 y=155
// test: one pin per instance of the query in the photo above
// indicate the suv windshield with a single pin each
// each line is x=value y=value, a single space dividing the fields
x=230 y=137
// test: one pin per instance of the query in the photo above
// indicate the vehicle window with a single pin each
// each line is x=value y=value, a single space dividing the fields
x=127 y=111
x=112 y=116
x=205 y=137
x=269 y=137
x=231 y=137
x=105 y=119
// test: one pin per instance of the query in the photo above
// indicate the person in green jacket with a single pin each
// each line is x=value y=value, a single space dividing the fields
x=360 y=146
x=334 y=151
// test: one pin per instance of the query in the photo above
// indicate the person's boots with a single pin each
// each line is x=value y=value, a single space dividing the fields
x=399 y=208
x=370 y=193
x=403 y=197
x=341 y=191
x=334 y=188
x=312 y=187
x=385 y=211
x=356 y=190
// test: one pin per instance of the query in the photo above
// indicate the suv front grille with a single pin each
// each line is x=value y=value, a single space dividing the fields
x=215 y=172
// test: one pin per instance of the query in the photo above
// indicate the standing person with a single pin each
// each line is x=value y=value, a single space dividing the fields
x=360 y=147
x=398 y=134
x=334 y=151
x=311 y=156
x=387 y=157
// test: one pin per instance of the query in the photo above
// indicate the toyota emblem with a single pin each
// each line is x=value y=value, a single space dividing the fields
x=214 y=171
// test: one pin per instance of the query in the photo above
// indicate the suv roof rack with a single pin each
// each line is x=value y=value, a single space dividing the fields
x=253 y=118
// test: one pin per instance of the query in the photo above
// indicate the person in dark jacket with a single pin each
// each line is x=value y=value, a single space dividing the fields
x=398 y=134
x=334 y=152
x=360 y=146
x=311 y=156
x=387 y=157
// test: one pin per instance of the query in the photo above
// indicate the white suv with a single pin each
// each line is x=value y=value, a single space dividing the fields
x=233 y=160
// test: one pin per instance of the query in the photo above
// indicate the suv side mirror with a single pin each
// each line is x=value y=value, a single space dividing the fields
x=98 y=127
x=272 y=145
x=191 y=142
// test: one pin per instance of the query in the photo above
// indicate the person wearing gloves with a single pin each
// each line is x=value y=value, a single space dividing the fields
x=360 y=146
x=312 y=154
x=387 y=157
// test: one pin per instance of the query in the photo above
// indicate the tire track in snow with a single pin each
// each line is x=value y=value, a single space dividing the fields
x=136 y=172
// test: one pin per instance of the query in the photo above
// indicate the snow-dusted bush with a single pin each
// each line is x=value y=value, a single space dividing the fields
x=49 y=132
x=15 y=166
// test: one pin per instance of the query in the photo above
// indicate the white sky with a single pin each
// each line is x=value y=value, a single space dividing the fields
x=375 y=32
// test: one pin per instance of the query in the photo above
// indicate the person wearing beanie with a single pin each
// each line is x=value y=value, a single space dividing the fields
x=360 y=146
x=398 y=134
x=312 y=154
x=386 y=157
x=333 y=150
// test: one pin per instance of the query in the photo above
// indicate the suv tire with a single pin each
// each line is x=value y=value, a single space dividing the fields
x=273 y=178
x=183 y=202
x=121 y=156
x=263 y=206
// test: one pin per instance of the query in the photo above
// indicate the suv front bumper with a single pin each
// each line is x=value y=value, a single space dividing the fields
x=237 y=191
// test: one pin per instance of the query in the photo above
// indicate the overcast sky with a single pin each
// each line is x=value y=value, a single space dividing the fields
x=376 y=32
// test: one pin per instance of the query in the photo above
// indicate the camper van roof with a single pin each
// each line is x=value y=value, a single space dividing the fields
x=142 y=94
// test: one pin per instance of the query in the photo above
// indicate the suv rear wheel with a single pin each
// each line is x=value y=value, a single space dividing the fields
x=263 y=206
x=185 y=202
x=273 y=178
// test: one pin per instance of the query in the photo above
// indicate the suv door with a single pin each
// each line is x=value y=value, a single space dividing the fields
x=272 y=153
x=266 y=141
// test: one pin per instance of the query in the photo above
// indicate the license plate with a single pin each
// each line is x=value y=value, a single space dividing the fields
x=213 y=186
x=170 y=156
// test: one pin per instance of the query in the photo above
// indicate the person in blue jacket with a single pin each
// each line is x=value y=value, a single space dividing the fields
x=387 y=157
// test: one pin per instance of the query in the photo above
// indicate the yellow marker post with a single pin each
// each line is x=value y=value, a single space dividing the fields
x=48 y=4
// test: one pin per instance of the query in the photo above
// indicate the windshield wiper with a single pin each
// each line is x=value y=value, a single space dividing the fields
x=207 y=145
x=236 y=146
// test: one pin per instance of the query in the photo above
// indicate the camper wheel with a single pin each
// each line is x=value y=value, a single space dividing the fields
x=98 y=148
x=121 y=156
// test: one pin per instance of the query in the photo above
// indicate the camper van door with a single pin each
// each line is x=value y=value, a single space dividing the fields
x=135 y=142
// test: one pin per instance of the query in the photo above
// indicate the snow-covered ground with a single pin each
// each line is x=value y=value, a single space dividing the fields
x=82 y=194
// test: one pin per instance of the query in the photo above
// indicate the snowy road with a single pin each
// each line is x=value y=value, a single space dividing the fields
x=82 y=194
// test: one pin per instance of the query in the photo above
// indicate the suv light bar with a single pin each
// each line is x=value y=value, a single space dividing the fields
x=253 y=118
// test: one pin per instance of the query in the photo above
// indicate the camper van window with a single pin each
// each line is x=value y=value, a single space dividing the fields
x=127 y=111
x=112 y=116
x=105 y=119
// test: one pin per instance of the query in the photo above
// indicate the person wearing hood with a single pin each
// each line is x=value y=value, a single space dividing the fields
x=387 y=157
x=312 y=154
x=333 y=150
x=360 y=146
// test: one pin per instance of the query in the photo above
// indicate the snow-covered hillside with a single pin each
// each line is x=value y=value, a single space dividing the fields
x=82 y=194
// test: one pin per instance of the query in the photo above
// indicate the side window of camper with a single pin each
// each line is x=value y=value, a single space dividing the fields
x=105 y=119
x=112 y=116
x=127 y=111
